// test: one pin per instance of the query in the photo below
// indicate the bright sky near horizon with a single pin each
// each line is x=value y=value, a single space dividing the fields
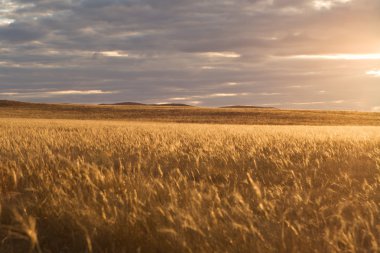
x=312 y=54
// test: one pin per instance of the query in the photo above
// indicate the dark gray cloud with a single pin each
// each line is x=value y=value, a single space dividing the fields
x=206 y=52
x=21 y=33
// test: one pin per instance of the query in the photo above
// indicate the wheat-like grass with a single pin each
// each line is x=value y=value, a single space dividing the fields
x=97 y=186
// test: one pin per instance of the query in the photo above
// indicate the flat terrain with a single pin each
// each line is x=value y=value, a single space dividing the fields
x=186 y=114
x=117 y=186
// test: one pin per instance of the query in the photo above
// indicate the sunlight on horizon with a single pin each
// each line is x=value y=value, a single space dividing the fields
x=375 y=56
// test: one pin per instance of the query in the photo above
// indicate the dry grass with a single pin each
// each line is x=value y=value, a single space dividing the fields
x=258 y=116
x=96 y=186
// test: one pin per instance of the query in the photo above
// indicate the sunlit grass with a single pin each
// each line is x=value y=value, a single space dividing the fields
x=97 y=186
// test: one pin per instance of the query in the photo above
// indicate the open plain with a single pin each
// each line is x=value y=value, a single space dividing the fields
x=70 y=185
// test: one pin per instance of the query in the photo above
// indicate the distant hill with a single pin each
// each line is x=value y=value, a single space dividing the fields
x=171 y=104
x=141 y=104
x=248 y=107
x=125 y=103
x=12 y=103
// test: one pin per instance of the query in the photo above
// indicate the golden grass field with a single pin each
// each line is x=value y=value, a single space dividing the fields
x=118 y=186
x=187 y=114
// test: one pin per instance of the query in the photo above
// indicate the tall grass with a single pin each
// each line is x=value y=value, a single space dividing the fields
x=96 y=186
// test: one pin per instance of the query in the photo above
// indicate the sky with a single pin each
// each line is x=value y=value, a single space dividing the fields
x=299 y=54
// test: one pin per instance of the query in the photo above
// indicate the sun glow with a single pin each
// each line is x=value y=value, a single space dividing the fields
x=375 y=73
x=336 y=57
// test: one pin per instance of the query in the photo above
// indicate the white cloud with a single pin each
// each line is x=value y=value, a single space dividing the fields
x=376 y=109
x=114 y=54
x=213 y=95
x=195 y=102
x=6 y=21
x=319 y=4
x=8 y=6
x=55 y=93
x=318 y=102
x=375 y=73
x=223 y=95
x=298 y=86
x=208 y=67
x=309 y=103
x=221 y=55
x=8 y=93
x=327 y=4
x=178 y=99
x=78 y=92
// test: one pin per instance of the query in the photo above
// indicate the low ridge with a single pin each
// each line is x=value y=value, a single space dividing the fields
x=141 y=104
x=248 y=107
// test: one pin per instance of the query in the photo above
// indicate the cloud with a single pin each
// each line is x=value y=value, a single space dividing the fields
x=178 y=99
x=77 y=92
x=6 y=21
x=221 y=55
x=55 y=93
x=247 y=51
x=328 y=4
x=222 y=95
x=318 y=102
x=375 y=73
x=114 y=54
x=195 y=102
x=20 y=32
x=9 y=93
x=213 y=95
x=336 y=57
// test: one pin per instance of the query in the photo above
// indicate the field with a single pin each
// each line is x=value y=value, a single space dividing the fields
x=119 y=186
x=178 y=114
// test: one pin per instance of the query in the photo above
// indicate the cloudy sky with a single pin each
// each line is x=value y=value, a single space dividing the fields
x=313 y=54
